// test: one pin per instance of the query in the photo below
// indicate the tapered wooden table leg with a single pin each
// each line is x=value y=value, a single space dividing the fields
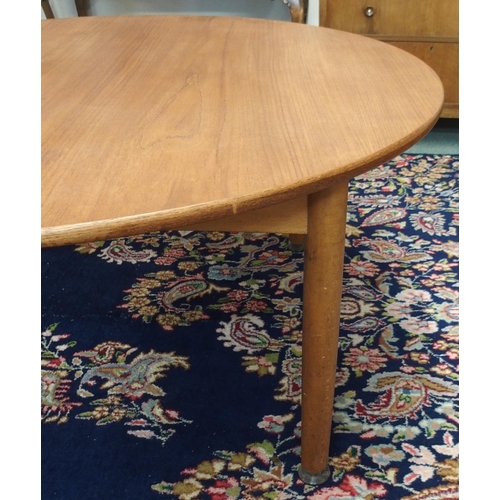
x=323 y=267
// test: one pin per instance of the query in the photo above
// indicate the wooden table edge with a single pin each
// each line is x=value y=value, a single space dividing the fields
x=188 y=216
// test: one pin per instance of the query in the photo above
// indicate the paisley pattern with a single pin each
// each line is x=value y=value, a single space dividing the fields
x=124 y=384
x=171 y=362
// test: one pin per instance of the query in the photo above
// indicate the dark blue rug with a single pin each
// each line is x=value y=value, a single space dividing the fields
x=171 y=361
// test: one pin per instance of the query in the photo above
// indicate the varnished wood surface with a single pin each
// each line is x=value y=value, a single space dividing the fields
x=428 y=29
x=323 y=268
x=160 y=122
x=443 y=58
x=287 y=217
x=422 y=18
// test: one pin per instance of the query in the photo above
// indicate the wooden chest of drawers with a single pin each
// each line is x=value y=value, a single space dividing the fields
x=426 y=28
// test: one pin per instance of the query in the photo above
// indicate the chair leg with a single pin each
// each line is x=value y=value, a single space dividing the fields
x=298 y=10
x=323 y=269
x=81 y=7
x=47 y=9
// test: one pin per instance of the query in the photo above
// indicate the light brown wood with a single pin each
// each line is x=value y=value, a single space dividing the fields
x=414 y=38
x=153 y=122
x=423 y=18
x=450 y=111
x=323 y=267
x=169 y=122
x=428 y=29
x=443 y=59
x=287 y=217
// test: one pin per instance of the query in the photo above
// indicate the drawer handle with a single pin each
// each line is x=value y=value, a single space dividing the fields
x=369 y=11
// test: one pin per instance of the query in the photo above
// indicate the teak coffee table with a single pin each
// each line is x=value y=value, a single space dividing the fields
x=214 y=123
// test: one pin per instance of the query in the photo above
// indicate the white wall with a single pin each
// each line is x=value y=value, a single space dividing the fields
x=267 y=9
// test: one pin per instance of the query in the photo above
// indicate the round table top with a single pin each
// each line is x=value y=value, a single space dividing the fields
x=155 y=122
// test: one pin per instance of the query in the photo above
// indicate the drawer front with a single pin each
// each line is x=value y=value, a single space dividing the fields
x=422 y=18
x=443 y=59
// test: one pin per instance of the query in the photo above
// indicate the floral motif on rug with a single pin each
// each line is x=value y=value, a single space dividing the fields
x=171 y=361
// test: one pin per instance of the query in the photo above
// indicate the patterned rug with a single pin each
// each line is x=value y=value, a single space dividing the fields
x=171 y=362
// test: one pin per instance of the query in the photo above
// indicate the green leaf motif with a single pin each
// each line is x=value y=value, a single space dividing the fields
x=163 y=487
x=104 y=421
x=266 y=446
x=85 y=416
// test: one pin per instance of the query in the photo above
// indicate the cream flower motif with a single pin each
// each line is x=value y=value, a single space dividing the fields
x=399 y=310
x=361 y=268
x=446 y=311
x=419 y=326
x=352 y=308
x=274 y=424
x=383 y=454
x=413 y=296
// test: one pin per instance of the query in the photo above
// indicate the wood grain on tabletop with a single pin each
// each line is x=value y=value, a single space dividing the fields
x=153 y=122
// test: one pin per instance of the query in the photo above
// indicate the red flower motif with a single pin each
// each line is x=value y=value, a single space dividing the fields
x=237 y=295
x=361 y=268
x=219 y=491
x=364 y=359
x=256 y=305
x=351 y=488
x=55 y=363
x=230 y=307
